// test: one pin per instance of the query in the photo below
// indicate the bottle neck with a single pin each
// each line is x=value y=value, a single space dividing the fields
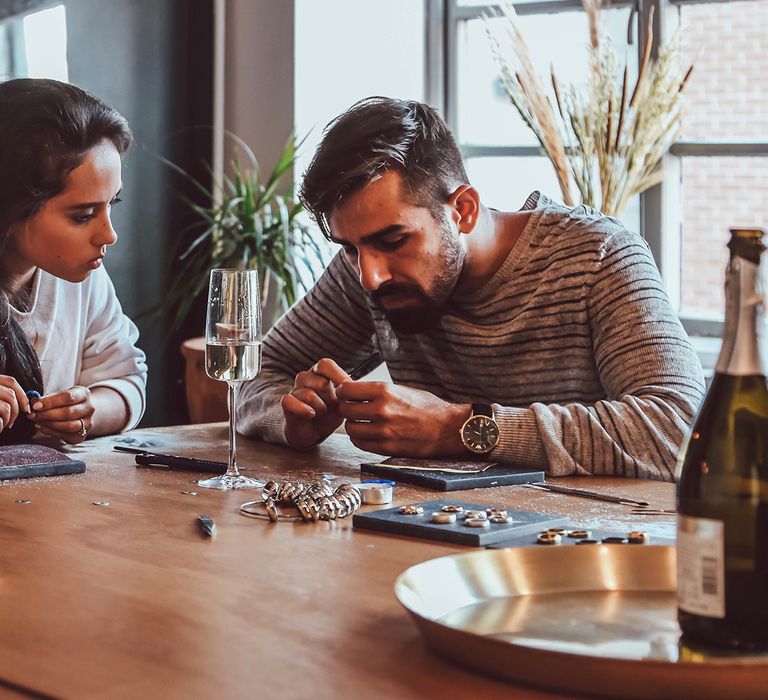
x=740 y=353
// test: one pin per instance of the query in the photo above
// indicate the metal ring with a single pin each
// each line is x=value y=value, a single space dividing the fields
x=411 y=510
x=444 y=517
x=302 y=505
x=452 y=508
x=313 y=502
x=579 y=534
x=475 y=515
x=548 y=537
x=83 y=431
x=501 y=512
x=638 y=537
x=499 y=519
x=269 y=490
x=477 y=522
x=249 y=509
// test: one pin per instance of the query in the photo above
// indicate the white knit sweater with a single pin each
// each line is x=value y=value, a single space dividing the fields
x=82 y=338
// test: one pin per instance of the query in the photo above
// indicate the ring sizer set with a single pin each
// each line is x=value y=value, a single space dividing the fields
x=473 y=524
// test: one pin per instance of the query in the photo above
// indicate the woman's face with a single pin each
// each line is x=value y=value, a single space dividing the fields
x=69 y=235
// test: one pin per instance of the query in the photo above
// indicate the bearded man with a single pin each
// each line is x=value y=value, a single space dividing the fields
x=541 y=337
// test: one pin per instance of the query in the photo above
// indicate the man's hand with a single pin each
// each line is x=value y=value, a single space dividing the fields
x=13 y=401
x=66 y=415
x=311 y=409
x=397 y=420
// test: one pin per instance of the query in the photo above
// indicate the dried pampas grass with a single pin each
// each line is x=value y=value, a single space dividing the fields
x=608 y=142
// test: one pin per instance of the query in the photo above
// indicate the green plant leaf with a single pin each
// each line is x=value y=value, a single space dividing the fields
x=245 y=223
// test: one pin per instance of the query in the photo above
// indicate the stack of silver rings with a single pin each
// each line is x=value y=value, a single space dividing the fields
x=313 y=502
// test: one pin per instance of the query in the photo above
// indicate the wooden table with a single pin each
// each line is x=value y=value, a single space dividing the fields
x=129 y=600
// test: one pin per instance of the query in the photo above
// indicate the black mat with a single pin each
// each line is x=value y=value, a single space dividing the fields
x=26 y=461
x=390 y=520
x=497 y=475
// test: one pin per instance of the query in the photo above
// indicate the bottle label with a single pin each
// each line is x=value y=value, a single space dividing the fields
x=700 y=566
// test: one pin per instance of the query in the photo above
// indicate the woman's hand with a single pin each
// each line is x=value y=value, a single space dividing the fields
x=67 y=415
x=13 y=401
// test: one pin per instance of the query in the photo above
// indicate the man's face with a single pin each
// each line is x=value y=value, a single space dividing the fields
x=408 y=262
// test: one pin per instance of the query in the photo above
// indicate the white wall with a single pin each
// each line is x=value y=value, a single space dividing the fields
x=259 y=75
x=347 y=49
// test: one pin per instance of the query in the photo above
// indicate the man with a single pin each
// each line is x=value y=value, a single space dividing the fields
x=541 y=337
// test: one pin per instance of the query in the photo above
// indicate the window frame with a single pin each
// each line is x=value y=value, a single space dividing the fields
x=12 y=20
x=659 y=205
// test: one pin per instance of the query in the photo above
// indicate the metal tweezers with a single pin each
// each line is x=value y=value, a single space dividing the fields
x=366 y=366
x=544 y=486
x=652 y=511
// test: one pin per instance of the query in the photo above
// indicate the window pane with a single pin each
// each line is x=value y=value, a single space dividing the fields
x=485 y=3
x=339 y=59
x=717 y=193
x=350 y=49
x=504 y=183
x=485 y=114
x=727 y=95
x=45 y=38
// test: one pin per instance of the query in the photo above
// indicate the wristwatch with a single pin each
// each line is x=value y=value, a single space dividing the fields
x=480 y=432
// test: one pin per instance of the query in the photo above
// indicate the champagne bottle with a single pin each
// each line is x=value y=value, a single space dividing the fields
x=722 y=493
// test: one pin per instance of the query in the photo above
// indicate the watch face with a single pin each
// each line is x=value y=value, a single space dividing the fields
x=480 y=434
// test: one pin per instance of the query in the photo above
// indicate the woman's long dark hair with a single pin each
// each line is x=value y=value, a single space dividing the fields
x=46 y=128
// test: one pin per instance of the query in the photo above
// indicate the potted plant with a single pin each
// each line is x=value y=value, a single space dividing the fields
x=250 y=222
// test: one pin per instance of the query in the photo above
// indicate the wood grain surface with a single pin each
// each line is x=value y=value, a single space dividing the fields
x=130 y=600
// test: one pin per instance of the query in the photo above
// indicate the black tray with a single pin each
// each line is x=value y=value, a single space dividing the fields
x=390 y=520
x=27 y=461
x=498 y=475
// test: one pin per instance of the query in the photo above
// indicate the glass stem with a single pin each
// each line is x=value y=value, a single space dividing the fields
x=232 y=405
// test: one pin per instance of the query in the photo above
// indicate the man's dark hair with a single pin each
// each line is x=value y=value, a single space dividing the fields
x=377 y=135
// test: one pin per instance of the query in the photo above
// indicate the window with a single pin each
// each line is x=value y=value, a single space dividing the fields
x=344 y=52
x=722 y=180
x=34 y=45
x=503 y=159
x=714 y=178
x=350 y=49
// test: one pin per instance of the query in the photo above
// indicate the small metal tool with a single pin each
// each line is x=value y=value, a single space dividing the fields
x=652 y=511
x=366 y=366
x=207 y=525
x=544 y=486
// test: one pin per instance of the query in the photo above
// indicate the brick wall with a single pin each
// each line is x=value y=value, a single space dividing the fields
x=726 y=99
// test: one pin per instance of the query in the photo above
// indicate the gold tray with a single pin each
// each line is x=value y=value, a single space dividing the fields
x=593 y=619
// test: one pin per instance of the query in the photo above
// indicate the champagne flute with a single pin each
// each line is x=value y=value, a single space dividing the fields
x=233 y=352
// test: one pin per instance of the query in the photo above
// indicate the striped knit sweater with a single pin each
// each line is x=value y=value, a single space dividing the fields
x=573 y=340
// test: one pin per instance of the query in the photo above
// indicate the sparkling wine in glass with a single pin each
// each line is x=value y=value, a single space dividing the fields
x=233 y=352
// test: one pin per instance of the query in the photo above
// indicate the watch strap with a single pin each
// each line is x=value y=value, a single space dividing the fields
x=482 y=409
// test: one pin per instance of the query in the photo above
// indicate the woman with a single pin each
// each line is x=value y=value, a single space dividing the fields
x=62 y=331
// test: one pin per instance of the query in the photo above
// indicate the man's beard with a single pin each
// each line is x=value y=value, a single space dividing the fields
x=425 y=309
